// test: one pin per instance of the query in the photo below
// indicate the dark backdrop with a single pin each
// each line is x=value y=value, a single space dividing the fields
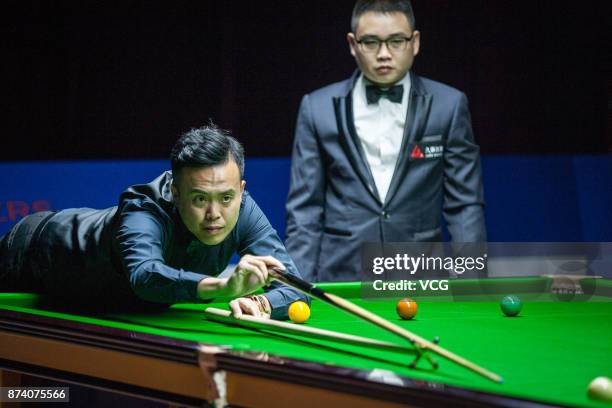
x=122 y=79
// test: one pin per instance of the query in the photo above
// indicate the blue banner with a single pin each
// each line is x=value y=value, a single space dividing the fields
x=528 y=198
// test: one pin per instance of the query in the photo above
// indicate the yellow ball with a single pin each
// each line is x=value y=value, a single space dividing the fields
x=299 y=312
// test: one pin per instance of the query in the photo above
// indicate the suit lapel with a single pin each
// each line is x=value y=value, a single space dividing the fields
x=419 y=106
x=349 y=141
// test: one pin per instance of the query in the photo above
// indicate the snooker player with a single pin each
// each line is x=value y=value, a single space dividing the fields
x=166 y=242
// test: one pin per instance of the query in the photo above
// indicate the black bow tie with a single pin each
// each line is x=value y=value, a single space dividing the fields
x=394 y=94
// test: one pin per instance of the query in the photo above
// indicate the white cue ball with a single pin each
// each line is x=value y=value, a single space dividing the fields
x=600 y=389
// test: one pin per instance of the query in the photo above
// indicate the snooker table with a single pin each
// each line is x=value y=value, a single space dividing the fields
x=547 y=355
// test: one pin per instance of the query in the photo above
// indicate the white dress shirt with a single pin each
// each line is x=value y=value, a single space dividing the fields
x=380 y=128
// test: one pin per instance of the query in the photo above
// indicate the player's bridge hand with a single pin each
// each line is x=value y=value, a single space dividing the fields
x=257 y=306
x=250 y=274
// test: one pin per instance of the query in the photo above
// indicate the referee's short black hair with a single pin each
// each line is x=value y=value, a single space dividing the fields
x=384 y=7
x=206 y=147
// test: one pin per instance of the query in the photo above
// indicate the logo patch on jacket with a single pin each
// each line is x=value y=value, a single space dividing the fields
x=417 y=153
x=426 y=152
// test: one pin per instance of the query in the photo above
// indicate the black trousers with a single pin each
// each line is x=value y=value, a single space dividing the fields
x=19 y=271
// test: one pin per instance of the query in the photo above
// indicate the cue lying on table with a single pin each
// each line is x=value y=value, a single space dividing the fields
x=225 y=316
x=419 y=342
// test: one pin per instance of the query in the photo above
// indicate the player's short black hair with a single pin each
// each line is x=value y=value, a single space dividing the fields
x=382 y=6
x=205 y=147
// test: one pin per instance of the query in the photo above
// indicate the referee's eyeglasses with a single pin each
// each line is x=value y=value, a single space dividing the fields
x=394 y=44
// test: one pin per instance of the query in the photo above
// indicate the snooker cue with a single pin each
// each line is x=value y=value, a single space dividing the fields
x=225 y=316
x=350 y=307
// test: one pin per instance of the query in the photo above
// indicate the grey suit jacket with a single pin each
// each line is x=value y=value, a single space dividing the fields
x=333 y=206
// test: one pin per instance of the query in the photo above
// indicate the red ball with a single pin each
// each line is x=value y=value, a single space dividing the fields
x=407 y=308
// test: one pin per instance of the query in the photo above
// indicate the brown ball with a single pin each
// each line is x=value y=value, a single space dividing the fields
x=407 y=308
